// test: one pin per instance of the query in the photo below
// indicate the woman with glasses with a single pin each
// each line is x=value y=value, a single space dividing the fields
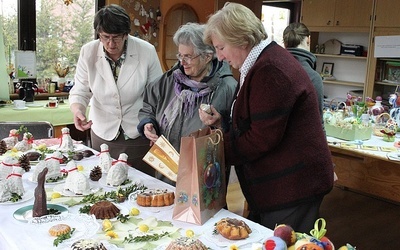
x=111 y=75
x=171 y=103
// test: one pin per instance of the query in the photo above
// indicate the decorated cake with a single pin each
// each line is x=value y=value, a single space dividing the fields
x=59 y=229
x=12 y=184
x=12 y=139
x=155 y=198
x=105 y=160
x=233 y=229
x=186 y=243
x=52 y=164
x=104 y=210
x=76 y=181
x=88 y=244
x=118 y=173
x=6 y=166
x=66 y=141
x=25 y=144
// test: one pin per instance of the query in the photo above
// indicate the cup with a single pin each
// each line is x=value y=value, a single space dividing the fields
x=19 y=104
x=53 y=102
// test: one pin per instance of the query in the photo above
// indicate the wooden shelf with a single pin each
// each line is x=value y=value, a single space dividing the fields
x=344 y=83
x=394 y=84
x=42 y=96
x=342 y=56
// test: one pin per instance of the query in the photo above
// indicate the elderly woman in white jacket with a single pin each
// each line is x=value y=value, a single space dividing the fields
x=111 y=74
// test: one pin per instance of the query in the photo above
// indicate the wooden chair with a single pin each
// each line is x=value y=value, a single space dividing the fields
x=39 y=130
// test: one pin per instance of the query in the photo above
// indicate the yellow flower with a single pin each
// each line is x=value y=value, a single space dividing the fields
x=134 y=211
x=111 y=234
x=80 y=168
x=107 y=225
x=55 y=195
x=143 y=228
x=42 y=147
x=189 y=233
x=233 y=247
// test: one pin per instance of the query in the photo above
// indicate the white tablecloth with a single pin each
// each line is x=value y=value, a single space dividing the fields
x=15 y=234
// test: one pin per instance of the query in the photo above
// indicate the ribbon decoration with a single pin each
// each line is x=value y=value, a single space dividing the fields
x=14 y=174
x=318 y=232
x=115 y=162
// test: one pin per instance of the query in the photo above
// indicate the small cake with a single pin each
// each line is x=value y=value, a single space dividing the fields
x=186 y=243
x=88 y=244
x=66 y=141
x=59 y=229
x=155 y=198
x=25 y=144
x=6 y=167
x=76 y=181
x=104 y=210
x=118 y=173
x=233 y=229
x=105 y=160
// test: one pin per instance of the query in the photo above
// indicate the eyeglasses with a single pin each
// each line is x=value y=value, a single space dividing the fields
x=186 y=58
x=114 y=39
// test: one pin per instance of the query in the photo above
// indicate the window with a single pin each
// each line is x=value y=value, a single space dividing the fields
x=61 y=30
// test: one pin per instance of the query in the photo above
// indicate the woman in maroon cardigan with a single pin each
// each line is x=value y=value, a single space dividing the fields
x=276 y=141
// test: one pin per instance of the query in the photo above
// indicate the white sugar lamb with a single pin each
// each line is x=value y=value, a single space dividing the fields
x=105 y=160
x=67 y=143
x=52 y=164
x=14 y=181
x=12 y=139
x=26 y=143
x=76 y=181
x=6 y=166
x=118 y=173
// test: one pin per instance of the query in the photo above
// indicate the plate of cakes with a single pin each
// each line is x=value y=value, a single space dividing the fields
x=155 y=200
x=228 y=231
x=25 y=197
x=80 y=226
x=25 y=214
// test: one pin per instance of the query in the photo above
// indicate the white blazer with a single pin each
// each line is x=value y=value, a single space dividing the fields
x=114 y=104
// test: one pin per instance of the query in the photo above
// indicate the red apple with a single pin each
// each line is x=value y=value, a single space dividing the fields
x=286 y=233
x=327 y=243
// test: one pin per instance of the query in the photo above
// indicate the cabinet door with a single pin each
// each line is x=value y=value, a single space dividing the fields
x=318 y=12
x=387 y=13
x=353 y=13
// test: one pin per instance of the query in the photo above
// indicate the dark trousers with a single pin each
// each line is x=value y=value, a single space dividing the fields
x=301 y=218
x=134 y=148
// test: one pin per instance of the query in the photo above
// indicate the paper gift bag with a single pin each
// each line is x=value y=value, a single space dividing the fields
x=163 y=157
x=201 y=186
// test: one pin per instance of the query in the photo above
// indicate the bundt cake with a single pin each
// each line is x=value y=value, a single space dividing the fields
x=88 y=244
x=233 y=229
x=104 y=210
x=186 y=243
x=155 y=198
x=59 y=229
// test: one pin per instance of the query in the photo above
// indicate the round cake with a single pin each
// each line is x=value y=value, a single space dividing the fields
x=155 y=198
x=233 y=229
x=88 y=244
x=104 y=210
x=59 y=229
x=186 y=243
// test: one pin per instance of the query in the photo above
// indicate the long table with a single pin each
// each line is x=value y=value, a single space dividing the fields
x=372 y=168
x=59 y=117
x=15 y=234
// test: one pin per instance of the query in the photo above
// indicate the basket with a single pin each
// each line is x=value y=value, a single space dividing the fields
x=380 y=122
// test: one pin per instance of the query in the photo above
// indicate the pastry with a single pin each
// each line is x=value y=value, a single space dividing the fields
x=233 y=229
x=118 y=173
x=186 y=243
x=88 y=244
x=59 y=229
x=104 y=210
x=155 y=198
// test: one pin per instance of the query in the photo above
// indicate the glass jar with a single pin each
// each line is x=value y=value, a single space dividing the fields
x=52 y=88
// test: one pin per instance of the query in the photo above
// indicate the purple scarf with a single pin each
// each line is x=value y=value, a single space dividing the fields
x=185 y=100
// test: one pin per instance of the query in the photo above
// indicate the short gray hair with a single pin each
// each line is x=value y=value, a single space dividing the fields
x=191 y=34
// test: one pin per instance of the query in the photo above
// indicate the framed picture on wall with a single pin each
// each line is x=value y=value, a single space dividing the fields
x=327 y=69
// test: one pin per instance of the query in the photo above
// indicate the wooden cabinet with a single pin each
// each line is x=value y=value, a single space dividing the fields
x=337 y=14
x=387 y=14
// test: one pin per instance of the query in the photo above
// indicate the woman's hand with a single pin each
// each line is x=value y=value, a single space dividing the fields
x=79 y=118
x=150 y=133
x=213 y=119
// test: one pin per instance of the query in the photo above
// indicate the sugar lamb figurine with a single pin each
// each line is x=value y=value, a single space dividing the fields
x=26 y=143
x=118 y=173
x=76 y=181
x=67 y=143
x=105 y=160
